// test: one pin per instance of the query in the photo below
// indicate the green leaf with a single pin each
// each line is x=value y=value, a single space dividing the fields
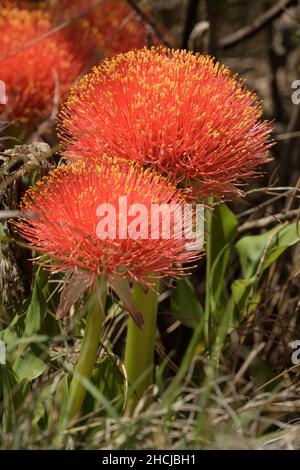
x=287 y=236
x=221 y=233
x=9 y=334
x=28 y=366
x=185 y=304
x=240 y=290
x=20 y=392
x=217 y=276
x=256 y=254
x=3 y=236
x=41 y=408
x=62 y=400
x=222 y=230
x=111 y=379
x=8 y=381
x=262 y=250
x=110 y=382
x=36 y=310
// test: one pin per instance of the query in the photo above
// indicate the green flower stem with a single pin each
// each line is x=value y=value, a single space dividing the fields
x=89 y=348
x=207 y=316
x=140 y=345
x=209 y=262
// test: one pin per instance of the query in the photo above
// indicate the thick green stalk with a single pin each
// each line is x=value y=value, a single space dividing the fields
x=89 y=347
x=140 y=345
x=208 y=245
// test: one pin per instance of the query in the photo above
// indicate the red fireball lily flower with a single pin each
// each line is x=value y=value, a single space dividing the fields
x=184 y=114
x=116 y=26
x=32 y=69
x=60 y=217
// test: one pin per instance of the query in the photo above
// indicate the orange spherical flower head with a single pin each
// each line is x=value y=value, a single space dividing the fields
x=103 y=219
x=34 y=71
x=184 y=114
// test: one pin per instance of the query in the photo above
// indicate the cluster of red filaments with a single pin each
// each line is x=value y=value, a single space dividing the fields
x=60 y=217
x=115 y=25
x=37 y=66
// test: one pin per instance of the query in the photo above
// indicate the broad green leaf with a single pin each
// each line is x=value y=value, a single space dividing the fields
x=246 y=294
x=240 y=291
x=262 y=250
x=288 y=236
x=28 y=366
x=256 y=254
x=185 y=304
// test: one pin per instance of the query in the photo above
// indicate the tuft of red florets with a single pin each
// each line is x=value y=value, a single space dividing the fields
x=183 y=114
x=115 y=25
x=35 y=64
x=60 y=218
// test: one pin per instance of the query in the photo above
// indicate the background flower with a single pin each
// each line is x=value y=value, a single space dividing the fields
x=184 y=114
x=34 y=63
x=115 y=25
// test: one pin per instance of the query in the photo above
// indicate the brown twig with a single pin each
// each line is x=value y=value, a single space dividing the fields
x=150 y=22
x=292 y=127
x=270 y=189
x=190 y=20
x=9 y=214
x=257 y=25
x=32 y=156
x=288 y=135
x=269 y=220
x=274 y=64
x=292 y=196
x=211 y=11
